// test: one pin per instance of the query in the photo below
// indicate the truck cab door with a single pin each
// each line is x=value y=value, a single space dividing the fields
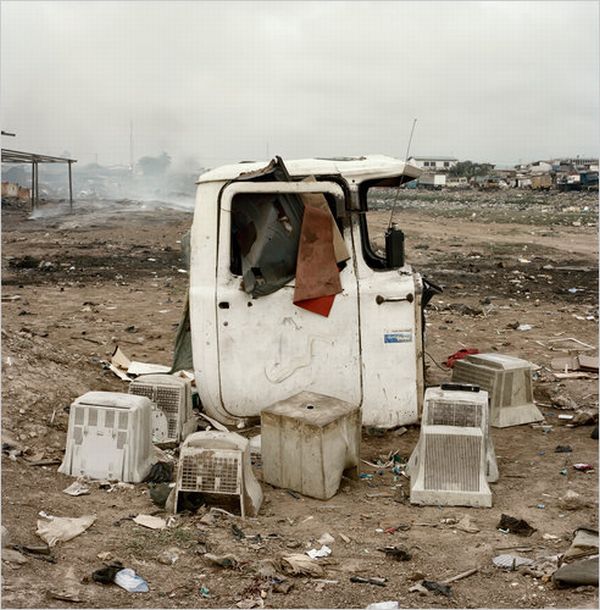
x=390 y=329
x=268 y=348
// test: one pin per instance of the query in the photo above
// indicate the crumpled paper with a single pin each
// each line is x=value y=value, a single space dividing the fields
x=53 y=529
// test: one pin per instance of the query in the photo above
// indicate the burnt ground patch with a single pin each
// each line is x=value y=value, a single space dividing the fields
x=140 y=262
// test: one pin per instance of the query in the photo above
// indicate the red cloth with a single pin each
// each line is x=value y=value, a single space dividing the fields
x=459 y=355
x=317 y=273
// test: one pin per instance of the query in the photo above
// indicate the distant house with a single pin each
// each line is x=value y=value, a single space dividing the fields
x=540 y=167
x=578 y=163
x=433 y=164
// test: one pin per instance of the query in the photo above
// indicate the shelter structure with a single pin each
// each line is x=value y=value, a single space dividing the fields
x=20 y=157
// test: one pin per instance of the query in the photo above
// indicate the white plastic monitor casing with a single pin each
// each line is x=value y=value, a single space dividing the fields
x=218 y=463
x=173 y=396
x=508 y=382
x=109 y=437
x=454 y=458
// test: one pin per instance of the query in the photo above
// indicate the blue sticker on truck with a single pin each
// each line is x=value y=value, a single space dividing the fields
x=397 y=336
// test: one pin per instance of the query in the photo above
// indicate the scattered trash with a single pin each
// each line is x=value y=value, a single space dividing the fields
x=459 y=355
x=283 y=587
x=159 y=493
x=563 y=449
x=383 y=606
x=466 y=525
x=579 y=362
x=419 y=588
x=161 y=472
x=326 y=539
x=301 y=565
x=153 y=523
x=105 y=556
x=542 y=567
x=77 y=488
x=204 y=591
x=524 y=327
x=540 y=506
x=550 y=537
x=106 y=575
x=380 y=582
x=345 y=538
x=460 y=576
x=324 y=551
x=511 y=562
x=396 y=552
x=169 y=556
x=564 y=417
x=583 y=467
x=564 y=472
x=578 y=573
x=515 y=526
x=224 y=561
x=60 y=529
x=585 y=417
x=580 y=561
x=13 y=556
x=585 y=543
x=572 y=501
x=127 y=579
x=437 y=587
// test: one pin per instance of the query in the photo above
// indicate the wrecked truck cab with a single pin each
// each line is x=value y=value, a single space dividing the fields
x=254 y=340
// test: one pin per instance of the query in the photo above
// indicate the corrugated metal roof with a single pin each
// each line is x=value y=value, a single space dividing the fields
x=353 y=169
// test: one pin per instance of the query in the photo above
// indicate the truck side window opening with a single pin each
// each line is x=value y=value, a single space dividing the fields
x=373 y=222
x=250 y=212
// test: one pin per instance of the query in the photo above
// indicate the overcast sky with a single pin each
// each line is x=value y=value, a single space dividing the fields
x=226 y=81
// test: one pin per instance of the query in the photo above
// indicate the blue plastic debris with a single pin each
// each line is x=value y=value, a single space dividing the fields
x=127 y=579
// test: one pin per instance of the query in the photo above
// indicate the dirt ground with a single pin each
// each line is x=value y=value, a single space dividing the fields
x=110 y=275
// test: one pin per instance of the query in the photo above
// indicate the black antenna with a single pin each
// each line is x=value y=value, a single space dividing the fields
x=405 y=160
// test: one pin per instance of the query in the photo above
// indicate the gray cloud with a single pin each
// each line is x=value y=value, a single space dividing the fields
x=223 y=81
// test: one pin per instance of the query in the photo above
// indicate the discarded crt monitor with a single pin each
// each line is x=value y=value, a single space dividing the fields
x=173 y=396
x=109 y=437
x=218 y=463
x=454 y=458
x=308 y=441
x=508 y=382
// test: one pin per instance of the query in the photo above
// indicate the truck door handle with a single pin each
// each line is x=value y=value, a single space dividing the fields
x=380 y=299
x=224 y=305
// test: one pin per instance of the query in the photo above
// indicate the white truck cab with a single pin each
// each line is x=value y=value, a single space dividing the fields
x=250 y=351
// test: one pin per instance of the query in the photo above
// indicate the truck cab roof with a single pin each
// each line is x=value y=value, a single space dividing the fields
x=352 y=169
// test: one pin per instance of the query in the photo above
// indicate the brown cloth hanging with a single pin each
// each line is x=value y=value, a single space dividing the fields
x=317 y=274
